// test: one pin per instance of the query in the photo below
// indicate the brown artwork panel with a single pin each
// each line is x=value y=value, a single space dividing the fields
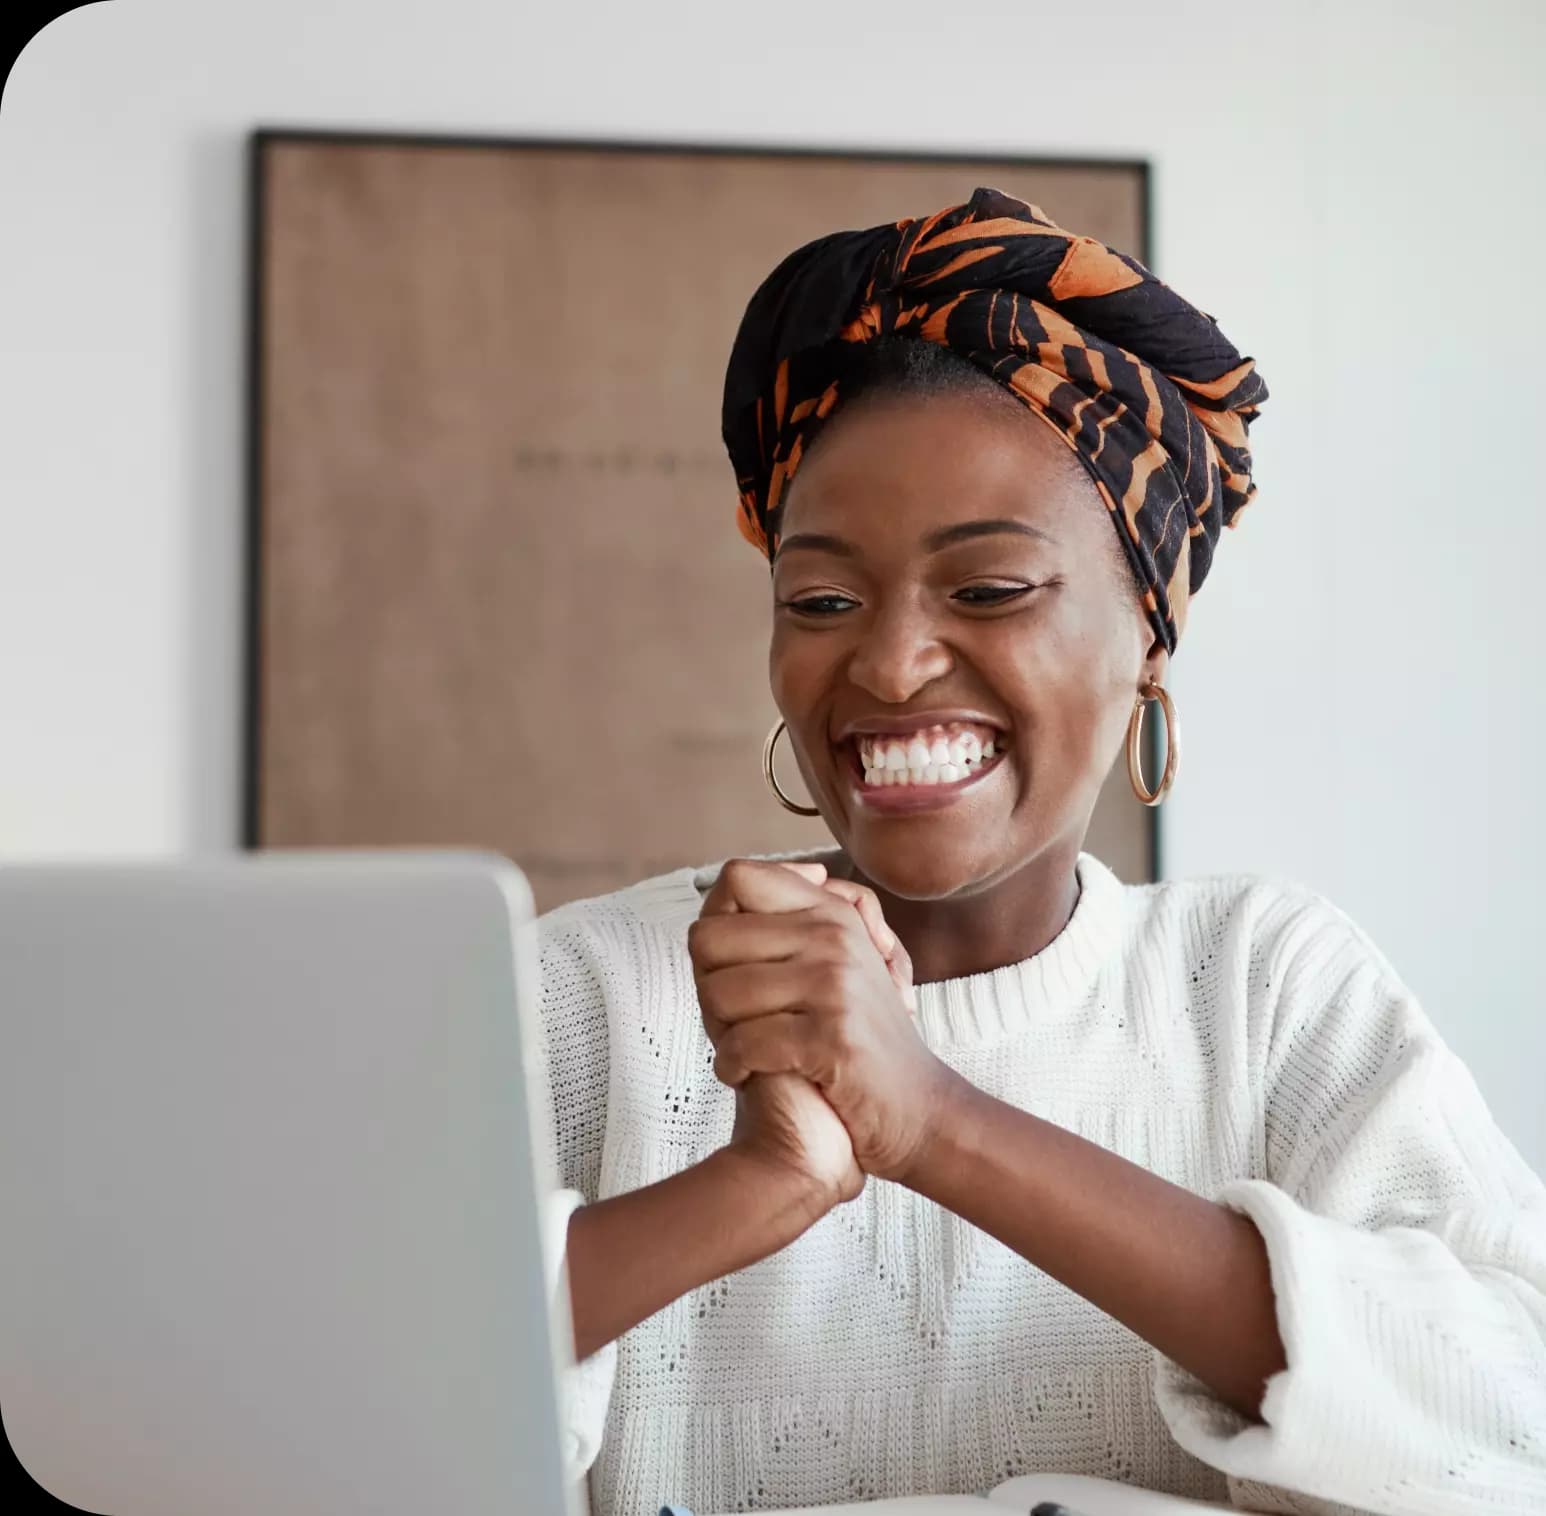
x=499 y=595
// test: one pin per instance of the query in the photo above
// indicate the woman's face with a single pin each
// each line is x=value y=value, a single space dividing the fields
x=949 y=585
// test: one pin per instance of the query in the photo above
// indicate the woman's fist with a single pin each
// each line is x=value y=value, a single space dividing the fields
x=791 y=981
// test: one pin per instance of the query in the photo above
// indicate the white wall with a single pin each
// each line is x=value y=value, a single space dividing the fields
x=1355 y=187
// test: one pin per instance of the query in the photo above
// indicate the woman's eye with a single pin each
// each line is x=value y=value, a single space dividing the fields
x=819 y=605
x=991 y=594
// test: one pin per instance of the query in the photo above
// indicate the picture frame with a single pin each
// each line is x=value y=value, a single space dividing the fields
x=496 y=596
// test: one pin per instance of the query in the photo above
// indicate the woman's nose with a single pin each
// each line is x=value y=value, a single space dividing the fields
x=897 y=655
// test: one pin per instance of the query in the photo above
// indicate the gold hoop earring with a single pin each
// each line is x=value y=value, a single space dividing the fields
x=772 y=778
x=1153 y=691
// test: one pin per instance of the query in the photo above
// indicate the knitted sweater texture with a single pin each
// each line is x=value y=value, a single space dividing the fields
x=1240 y=1038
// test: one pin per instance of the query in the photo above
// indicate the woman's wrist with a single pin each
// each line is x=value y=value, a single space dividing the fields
x=949 y=1136
x=782 y=1201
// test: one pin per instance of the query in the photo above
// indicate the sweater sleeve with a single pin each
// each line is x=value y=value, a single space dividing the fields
x=1407 y=1245
x=570 y=1091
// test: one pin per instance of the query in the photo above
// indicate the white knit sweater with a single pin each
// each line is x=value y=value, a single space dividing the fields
x=1240 y=1038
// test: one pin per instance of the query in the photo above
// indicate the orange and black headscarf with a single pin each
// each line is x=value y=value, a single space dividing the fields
x=1143 y=386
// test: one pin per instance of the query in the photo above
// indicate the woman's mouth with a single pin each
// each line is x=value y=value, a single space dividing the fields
x=924 y=768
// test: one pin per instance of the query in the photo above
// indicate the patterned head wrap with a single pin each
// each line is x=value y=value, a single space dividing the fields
x=1144 y=387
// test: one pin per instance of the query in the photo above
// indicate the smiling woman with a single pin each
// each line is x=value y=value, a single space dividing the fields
x=946 y=564
x=942 y=1155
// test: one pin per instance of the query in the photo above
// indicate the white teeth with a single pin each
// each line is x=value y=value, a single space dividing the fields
x=923 y=759
x=931 y=773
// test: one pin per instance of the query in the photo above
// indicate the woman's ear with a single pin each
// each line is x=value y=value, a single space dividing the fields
x=1156 y=665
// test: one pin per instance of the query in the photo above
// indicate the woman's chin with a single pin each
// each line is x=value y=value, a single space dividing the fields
x=923 y=873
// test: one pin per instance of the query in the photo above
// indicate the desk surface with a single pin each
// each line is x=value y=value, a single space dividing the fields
x=1083 y=1496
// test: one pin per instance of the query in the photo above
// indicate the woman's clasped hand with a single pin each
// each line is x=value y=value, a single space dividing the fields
x=807 y=997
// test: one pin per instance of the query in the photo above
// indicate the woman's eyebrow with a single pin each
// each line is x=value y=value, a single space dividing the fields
x=964 y=531
x=946 y=536
x=819 y=542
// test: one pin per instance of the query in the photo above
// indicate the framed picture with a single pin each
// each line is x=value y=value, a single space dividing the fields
x=497 y=595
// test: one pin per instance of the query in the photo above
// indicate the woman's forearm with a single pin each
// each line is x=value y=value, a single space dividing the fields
x=632 y=1255
x=1187 y=1275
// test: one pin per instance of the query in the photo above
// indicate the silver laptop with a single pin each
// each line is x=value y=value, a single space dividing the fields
x=270 y=1189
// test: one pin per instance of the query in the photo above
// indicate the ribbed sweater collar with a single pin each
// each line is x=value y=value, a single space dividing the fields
x=979 y=1009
